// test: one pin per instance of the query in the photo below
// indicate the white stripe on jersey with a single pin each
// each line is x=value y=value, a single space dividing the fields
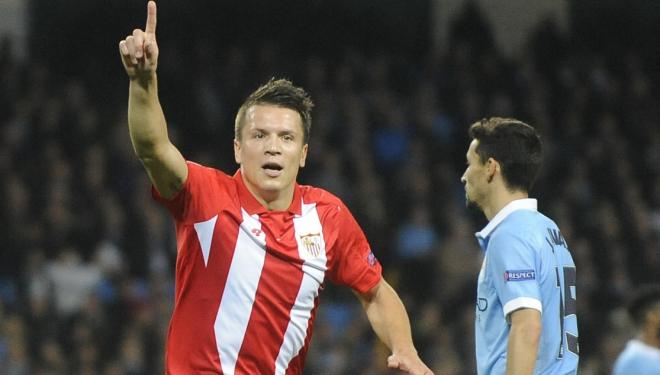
x=240 y=290
x=311 y=248
x=204 y=232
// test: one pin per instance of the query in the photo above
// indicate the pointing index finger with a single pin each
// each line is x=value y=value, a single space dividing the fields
x=151 y=18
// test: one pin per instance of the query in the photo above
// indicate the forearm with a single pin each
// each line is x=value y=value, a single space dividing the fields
x=389 y=319
x=522 y=348
x=163 y=162
x=146 y=121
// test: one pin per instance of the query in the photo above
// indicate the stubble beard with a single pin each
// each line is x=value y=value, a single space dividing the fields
x=471 y=204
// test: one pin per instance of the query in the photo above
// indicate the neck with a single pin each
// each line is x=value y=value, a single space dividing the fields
x=651 y=337
x=500 y=199
x=273 y=200
x=278 y=204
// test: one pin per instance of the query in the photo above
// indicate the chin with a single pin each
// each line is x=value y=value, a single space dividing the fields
x=270 y=186
x=472 y=205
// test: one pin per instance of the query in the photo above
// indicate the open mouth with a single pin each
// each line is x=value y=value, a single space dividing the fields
x=272 y=169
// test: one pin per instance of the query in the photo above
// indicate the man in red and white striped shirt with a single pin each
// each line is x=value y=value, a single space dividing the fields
x=255 y=248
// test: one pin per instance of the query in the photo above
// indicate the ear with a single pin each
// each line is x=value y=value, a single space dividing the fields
x=492 y=169
x=303 y=156
x=237 y=151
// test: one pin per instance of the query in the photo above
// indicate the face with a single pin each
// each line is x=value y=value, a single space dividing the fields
x=271 y=150
x=474 y=178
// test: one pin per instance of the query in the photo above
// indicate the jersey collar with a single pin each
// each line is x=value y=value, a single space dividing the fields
x=252 y=205
x=515 y=205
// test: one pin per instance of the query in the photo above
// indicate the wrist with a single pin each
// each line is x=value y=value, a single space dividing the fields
x=145 y=84
x=144 y=78
x=404 y=350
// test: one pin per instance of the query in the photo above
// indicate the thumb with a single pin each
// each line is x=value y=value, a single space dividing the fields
x=393 y=362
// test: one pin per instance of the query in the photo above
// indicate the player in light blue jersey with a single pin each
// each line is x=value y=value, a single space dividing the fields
x=642 y=354
x=526 y=320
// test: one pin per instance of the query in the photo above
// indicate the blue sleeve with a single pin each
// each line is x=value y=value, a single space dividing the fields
x=512 y=265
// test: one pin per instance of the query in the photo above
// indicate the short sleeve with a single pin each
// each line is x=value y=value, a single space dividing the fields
x=195 y=201
x=512 y=265
x=353 y=263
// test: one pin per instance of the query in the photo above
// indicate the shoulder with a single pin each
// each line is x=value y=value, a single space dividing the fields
x=330 y=208
x=205 y=191
x=509 y=239
x=523 y=226
x=320 y=197
x=511 y=232
x=637 y=348
x=199 y=171
x=637 y=355
x=526 y=218
x=206 y=170
x=209 y=184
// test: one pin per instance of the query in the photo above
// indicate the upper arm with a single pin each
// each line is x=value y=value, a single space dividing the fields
x=367 y=297
x=353 y=264
x=527 y=320
x=167 y=170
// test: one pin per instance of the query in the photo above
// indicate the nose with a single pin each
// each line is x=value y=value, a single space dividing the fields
x=273 y=145
x=463 y=180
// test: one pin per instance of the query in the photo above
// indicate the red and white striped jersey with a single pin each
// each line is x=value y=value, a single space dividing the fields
x=248 y=279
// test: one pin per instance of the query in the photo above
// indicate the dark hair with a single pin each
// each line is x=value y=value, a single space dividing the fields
x=644 y=299
x=514 y=144
x=281 y=93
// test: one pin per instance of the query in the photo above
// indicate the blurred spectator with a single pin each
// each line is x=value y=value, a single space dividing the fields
x=642 y=353
x=72 y=282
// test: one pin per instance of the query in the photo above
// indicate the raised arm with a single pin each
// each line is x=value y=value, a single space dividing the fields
x=146 y=122
x=389 y=320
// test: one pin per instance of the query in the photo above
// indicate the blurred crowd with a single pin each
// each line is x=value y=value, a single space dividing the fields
x=87 y=258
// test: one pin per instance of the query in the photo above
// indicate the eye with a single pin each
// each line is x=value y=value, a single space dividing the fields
x=258 y=135
x=288 y=137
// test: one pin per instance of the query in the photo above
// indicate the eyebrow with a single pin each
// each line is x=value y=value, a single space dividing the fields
x=280 y=133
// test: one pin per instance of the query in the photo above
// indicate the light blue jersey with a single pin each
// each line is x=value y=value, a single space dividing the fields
x=638 y=359
x=527 y=265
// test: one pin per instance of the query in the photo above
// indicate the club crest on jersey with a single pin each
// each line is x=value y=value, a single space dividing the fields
x=312 y=243
x=371 y=258
x=519 y=275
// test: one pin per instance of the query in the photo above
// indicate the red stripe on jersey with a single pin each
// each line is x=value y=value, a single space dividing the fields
x=191 y=343
x=276 y=295
x=270 y=316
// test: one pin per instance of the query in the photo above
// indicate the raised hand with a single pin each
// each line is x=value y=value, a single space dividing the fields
x=139 y=52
